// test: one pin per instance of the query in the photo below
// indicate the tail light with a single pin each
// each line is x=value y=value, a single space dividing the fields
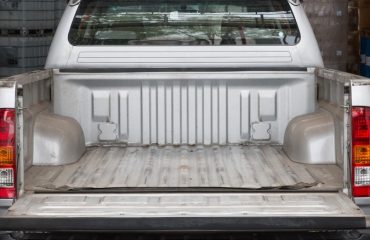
x=7 y=153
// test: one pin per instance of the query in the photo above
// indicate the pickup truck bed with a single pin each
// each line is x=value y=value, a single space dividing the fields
x=248 y=134
x=235 y=167
x=128 y=186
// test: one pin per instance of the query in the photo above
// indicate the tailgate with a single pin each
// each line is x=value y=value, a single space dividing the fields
x=184 y=211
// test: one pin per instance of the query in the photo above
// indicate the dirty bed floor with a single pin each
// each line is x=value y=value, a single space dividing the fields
x=224 y=167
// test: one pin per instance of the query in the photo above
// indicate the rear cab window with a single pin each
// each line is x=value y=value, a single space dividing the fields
x=180 y=22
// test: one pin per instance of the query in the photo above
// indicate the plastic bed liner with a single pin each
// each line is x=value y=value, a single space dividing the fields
x=238 y=167
x=184 y=211
x=48 y=206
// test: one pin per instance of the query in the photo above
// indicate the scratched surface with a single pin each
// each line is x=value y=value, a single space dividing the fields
x=244 y=167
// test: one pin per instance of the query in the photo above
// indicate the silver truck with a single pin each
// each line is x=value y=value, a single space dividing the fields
x=184 y=115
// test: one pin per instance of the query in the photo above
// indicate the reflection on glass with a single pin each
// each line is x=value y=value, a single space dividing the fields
x=179 y=22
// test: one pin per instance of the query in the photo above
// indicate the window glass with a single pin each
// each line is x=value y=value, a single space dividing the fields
x=184 y=22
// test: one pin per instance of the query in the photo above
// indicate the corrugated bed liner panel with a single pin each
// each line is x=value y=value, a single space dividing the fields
x=239 y=167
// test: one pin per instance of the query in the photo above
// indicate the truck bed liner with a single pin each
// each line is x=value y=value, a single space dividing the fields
x=184 y=211
x=245 y=167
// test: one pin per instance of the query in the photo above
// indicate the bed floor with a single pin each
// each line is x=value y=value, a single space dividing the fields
x=224 y=167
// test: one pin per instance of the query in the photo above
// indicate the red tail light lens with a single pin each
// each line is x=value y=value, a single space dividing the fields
x=7 y=153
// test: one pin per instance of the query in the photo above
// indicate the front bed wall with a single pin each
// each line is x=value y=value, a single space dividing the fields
x=184 y=108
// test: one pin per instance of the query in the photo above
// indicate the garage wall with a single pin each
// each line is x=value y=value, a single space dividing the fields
x=26 y=31
x=329 y=19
